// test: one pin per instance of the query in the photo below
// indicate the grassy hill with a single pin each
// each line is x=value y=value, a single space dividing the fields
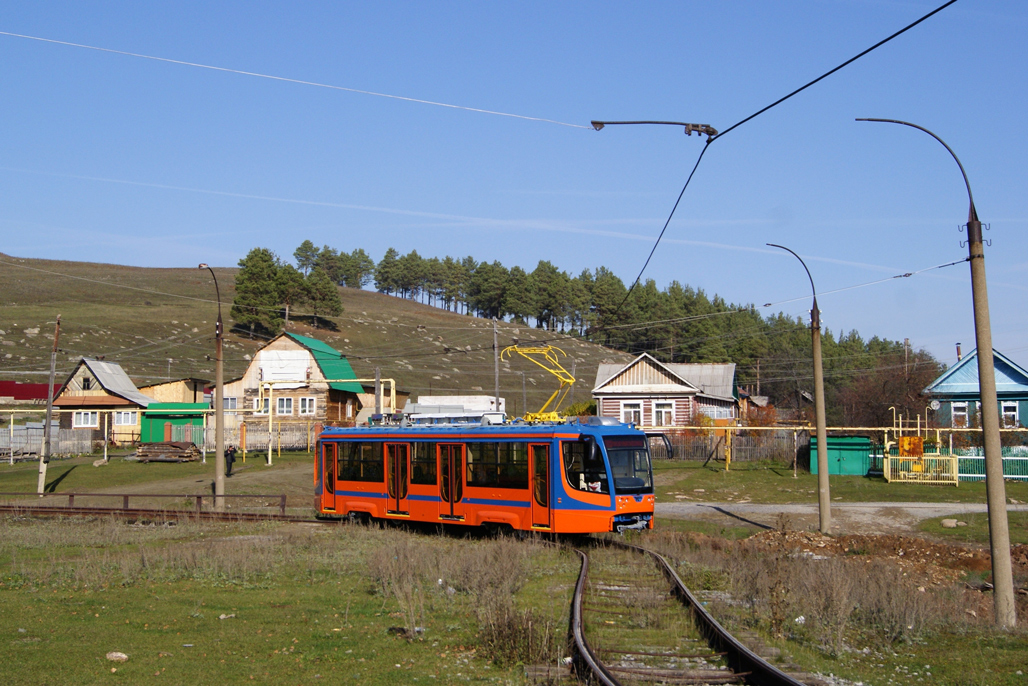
x=141 y=318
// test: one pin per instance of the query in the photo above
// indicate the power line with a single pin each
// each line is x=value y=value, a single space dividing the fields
x=290 y=80
x=757 y=114
x=906 y=275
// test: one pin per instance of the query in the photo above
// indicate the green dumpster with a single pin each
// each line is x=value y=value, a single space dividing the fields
x=847 y=455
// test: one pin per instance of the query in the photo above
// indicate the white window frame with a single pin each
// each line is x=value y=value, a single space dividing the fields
x=280 y=407
x=258 y=408
x=633 y=406
x=1008 y=411
x=349 y=409
x=662 y=409
x=229 y=404
x=717 y=411
x=126 y=418
x=958 y=409
x=308 y=406
x=85 y=419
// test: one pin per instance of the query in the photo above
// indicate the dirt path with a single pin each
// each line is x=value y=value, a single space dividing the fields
x=847 y=518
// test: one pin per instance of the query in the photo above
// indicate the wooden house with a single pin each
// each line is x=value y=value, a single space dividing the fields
x=301 y=379
x=99 y=395
x=650 y=393
x=956 y=391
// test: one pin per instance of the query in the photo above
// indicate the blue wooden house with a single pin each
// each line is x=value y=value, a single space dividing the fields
x=957 y=392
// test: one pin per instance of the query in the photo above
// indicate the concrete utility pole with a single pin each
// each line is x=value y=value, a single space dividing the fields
x=824 y=500
x=999 y=532
x=219 y=403
x=496 y=365
x=44 y=459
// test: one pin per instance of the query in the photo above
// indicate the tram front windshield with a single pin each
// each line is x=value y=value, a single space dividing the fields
x=629 y=458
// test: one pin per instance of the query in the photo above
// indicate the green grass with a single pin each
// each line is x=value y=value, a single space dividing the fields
x=761 y=483
x=298 y=607
x=977 y=529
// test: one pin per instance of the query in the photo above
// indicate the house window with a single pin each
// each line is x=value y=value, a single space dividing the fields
x=349 y=409
x=631 y=413
x=663 y=414
x=959 y=413
x=1009 y=409
x=87 y=383
x=260 y=406
x=228 y=404
x=125 y=419
x=718 y=411
x=307 y=406
x=284 y=406
x=86 y=420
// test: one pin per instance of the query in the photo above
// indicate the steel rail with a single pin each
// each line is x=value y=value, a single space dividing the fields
x=743 y=661
x=129 y=513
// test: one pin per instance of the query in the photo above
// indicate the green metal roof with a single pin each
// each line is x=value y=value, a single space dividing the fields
x=331 y=362
x=175 y=408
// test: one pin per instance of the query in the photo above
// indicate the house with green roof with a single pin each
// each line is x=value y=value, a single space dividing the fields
x=308 y=380
x=957 y=394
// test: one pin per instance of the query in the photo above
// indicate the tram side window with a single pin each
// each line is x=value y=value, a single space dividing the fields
x=584 y=473
x=498 y=465
x=422 y=463
x=361 y=462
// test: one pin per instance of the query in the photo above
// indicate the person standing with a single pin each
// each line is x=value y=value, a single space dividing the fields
x=230 y=457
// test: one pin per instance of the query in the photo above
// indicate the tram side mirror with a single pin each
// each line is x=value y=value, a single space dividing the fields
x=591 y=449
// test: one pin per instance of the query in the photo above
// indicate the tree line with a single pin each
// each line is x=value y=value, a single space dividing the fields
x=678 y=323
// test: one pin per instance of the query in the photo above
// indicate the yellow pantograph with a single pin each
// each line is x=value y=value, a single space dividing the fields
x=545 y=357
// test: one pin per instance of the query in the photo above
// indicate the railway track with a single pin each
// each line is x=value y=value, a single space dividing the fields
x=151 y=513
x=629 y=627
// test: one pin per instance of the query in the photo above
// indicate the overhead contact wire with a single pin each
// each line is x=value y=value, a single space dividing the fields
x=757 y=114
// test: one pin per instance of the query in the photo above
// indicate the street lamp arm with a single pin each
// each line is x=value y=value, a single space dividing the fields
x=707 y=129
x=972 y=214
x=813 y=290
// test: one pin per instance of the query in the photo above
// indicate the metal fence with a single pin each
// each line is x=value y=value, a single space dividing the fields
x=922 y=470
x=738 y=444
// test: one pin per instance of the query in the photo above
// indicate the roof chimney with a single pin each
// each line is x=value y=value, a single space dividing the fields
x=958 y=353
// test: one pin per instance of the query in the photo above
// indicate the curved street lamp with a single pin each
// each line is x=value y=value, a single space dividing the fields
x=219 y=403
x=824 y=500
x=999 y=532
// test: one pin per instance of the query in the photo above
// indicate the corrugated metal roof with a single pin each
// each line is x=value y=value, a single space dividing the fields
x=962 y=378
x=647 y=375
x=331 y=362
x=114 y=380
x=713 y=379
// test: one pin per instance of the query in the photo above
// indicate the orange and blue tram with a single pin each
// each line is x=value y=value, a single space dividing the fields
x=570 y=478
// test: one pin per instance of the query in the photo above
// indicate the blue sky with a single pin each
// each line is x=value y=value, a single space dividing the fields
x=111 y=158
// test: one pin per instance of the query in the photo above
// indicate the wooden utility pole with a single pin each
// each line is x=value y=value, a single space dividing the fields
x=44 y=458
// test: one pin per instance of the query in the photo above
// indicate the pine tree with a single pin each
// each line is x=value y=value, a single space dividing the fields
x=385 y=272
x=359 y=269
x=306 y=257
x=323 y=295
x=256 y=302
x=518 y=297
x=291 y=289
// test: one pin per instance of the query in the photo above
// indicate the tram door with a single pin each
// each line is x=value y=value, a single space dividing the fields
x=397 y=457
x=451 y=481
x=540 y=485
x=328 y=475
